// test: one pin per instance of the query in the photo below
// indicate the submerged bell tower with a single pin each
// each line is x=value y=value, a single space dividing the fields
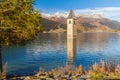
x=71 y=38
x=71 y=30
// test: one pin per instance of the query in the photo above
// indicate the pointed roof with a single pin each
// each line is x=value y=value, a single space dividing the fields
x=71 y=14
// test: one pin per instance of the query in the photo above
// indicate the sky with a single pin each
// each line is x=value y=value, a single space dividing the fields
x=108 y=8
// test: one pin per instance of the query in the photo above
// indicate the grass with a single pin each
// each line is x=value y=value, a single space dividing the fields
x=3 y=75
x=101 y=71
x=98 y=72
x=105 y=71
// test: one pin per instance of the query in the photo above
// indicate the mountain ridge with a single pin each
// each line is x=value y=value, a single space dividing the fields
x=84 y=24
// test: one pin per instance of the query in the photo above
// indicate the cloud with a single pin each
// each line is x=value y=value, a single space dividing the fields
x=108 y=12
x=57 y=14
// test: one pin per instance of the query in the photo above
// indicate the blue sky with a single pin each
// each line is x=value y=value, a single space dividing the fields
x=110 y=8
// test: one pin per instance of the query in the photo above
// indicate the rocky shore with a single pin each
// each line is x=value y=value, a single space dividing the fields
x=68 y=72
x=100 y=71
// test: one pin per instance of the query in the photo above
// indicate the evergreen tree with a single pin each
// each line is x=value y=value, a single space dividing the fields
x=19 y=22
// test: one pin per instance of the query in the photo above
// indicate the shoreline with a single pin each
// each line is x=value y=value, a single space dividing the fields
x=102 y=71
x=117 y=32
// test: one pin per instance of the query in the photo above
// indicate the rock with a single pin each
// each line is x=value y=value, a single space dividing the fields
x=42 y=77
x=37 y=75
x=49 y=79
x=81 y=79
x=51 y=76
x=86 y=76
x=27 y=78
x=73 y=76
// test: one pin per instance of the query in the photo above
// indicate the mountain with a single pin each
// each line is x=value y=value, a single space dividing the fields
x=97 y=24
x=91 y=25
x=97 y=16
x=111 y=23
x=84 y=23
x=53 y=26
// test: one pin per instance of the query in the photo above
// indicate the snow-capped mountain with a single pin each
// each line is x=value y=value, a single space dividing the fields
x=92 y=15
x=85 y=22
x=65 y=14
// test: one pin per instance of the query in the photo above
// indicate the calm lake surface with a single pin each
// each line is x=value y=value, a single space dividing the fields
x=50 y=51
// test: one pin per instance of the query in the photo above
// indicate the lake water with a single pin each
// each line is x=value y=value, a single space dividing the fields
x=51 y=51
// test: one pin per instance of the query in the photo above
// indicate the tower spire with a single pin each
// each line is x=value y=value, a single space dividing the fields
x=71 y=14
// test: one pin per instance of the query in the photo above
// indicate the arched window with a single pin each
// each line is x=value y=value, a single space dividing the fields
x=69 y=22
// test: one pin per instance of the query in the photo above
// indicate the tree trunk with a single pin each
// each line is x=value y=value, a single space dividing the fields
x=0 y=59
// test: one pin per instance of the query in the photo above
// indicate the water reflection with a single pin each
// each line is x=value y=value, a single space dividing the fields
x=54 y=50
x=71 y=50
x=47 y=43
x=96 y=42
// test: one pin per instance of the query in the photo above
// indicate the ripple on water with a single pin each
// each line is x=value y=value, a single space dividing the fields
x=50 y=51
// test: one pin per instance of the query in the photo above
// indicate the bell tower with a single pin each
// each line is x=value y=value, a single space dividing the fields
x=71 y=38
x=71 y=31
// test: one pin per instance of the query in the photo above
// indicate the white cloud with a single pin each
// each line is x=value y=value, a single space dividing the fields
x=109 y=12
x=57 y=14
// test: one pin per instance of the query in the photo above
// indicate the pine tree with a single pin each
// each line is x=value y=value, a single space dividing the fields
x=19 y=22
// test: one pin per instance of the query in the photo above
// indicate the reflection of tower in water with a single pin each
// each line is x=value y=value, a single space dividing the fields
x=71 y=50
x=71 y=38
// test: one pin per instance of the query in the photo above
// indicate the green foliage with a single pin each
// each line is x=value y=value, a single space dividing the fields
x=19 y=22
